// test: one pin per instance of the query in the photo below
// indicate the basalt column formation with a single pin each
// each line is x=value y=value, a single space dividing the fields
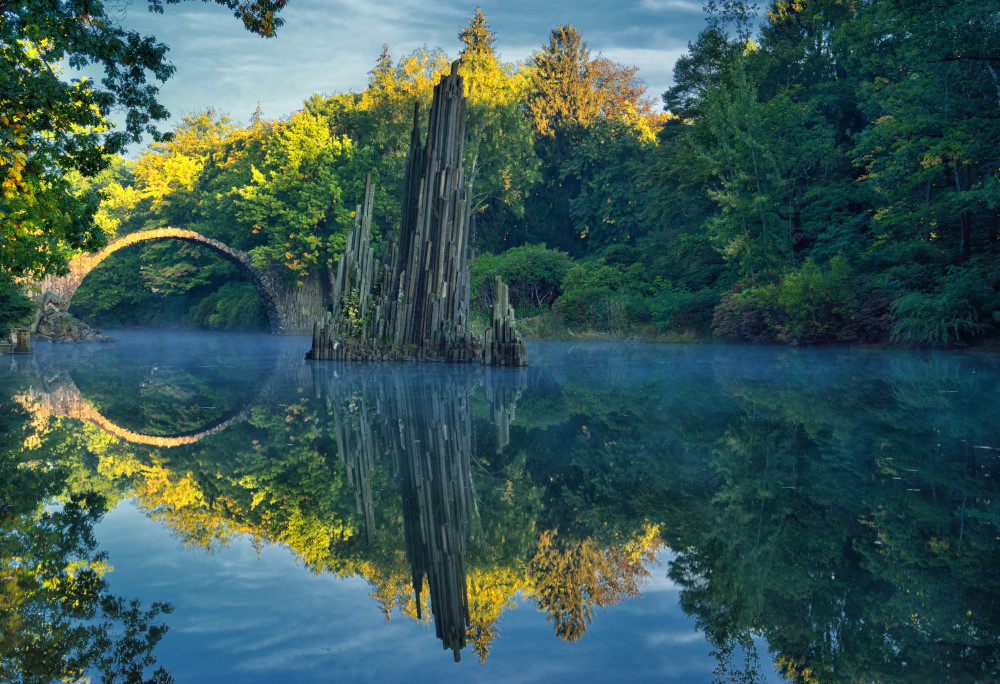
x=413 y=304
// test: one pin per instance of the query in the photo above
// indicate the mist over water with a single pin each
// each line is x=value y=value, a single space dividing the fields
x=637 y=511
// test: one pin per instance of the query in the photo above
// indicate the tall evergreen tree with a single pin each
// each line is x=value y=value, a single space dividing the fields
x=564 y=98
x=563 y=102
x=500 y=161
x=477 y=38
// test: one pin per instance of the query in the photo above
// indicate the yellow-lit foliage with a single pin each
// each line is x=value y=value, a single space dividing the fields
x=491 y=591
x=571 y=577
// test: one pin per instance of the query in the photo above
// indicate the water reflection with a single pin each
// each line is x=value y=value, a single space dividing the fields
x=160 y=399
x=841 y=505
x=418 y=427
x=58 y=620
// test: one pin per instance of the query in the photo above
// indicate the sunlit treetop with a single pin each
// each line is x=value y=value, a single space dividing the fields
x=477 y=37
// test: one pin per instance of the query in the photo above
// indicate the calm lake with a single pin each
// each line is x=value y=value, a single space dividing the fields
x=614 y=512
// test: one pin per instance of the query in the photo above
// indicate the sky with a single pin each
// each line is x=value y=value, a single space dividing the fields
x=329 y=46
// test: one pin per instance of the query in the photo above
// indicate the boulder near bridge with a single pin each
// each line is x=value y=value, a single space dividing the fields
x=290 y=309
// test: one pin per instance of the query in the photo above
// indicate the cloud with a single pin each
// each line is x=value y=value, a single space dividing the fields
x=674 y=638
x=694 y=6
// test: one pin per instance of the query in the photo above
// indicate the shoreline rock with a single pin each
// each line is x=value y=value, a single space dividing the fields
x=53 y=323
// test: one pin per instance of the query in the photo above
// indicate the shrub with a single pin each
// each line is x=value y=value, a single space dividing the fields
x=15 y=307
x=809 y=305
x=549 y=325
x=751 y=315
x=585 y=291
x=817 y=304
x=681 y=309
x=620 y=312
x=964 y=308
x=874 y=319
x=533 y=275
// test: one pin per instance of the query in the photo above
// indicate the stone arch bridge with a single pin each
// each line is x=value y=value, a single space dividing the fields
x=290 y=310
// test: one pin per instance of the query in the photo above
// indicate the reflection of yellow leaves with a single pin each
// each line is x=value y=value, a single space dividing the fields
x=171 y=491
x=41 y=420
x=114 y=465
x=794 y=671
x=491 y=591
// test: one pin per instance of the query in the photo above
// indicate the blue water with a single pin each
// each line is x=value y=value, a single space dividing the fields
x=754 y=513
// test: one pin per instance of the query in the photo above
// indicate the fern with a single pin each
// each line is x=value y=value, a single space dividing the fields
x=963 y=309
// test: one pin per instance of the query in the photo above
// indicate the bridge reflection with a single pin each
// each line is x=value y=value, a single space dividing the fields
x=66 y=400
x=54 y=392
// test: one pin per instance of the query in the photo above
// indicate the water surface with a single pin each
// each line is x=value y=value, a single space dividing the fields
x=640 y=512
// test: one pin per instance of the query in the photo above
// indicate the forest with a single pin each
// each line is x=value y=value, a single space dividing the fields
x=826 y=172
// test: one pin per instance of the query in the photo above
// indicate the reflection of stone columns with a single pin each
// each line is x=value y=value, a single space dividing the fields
x=437 y=506
x=356 y=448
x=419 y=425
x=503 y=389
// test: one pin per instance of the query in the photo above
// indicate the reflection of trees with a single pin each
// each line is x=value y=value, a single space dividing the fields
x=368 y=471
x=420 y=428
x=57 y=619
x=859 y=542
x=572 y=577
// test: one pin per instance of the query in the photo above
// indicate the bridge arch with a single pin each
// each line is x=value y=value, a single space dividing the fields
x=267 y=282
x=57 y=394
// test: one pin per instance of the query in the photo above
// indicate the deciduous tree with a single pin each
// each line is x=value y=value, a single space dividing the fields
x=52 y=124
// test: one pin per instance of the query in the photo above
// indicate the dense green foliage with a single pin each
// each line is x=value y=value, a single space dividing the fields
x=15 y=307
x=826 y=173
x=845 y=192
x=54 y=128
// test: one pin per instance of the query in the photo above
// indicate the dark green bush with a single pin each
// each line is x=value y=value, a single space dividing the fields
x=817 y=304
x=810 y=305
x=874 y=319
x=533 y=275
x=584 y=289
x=751 y=315
x=620 y=312
x=964 y=308
x=15 y=307
x=595 y=296
x=681 y=309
